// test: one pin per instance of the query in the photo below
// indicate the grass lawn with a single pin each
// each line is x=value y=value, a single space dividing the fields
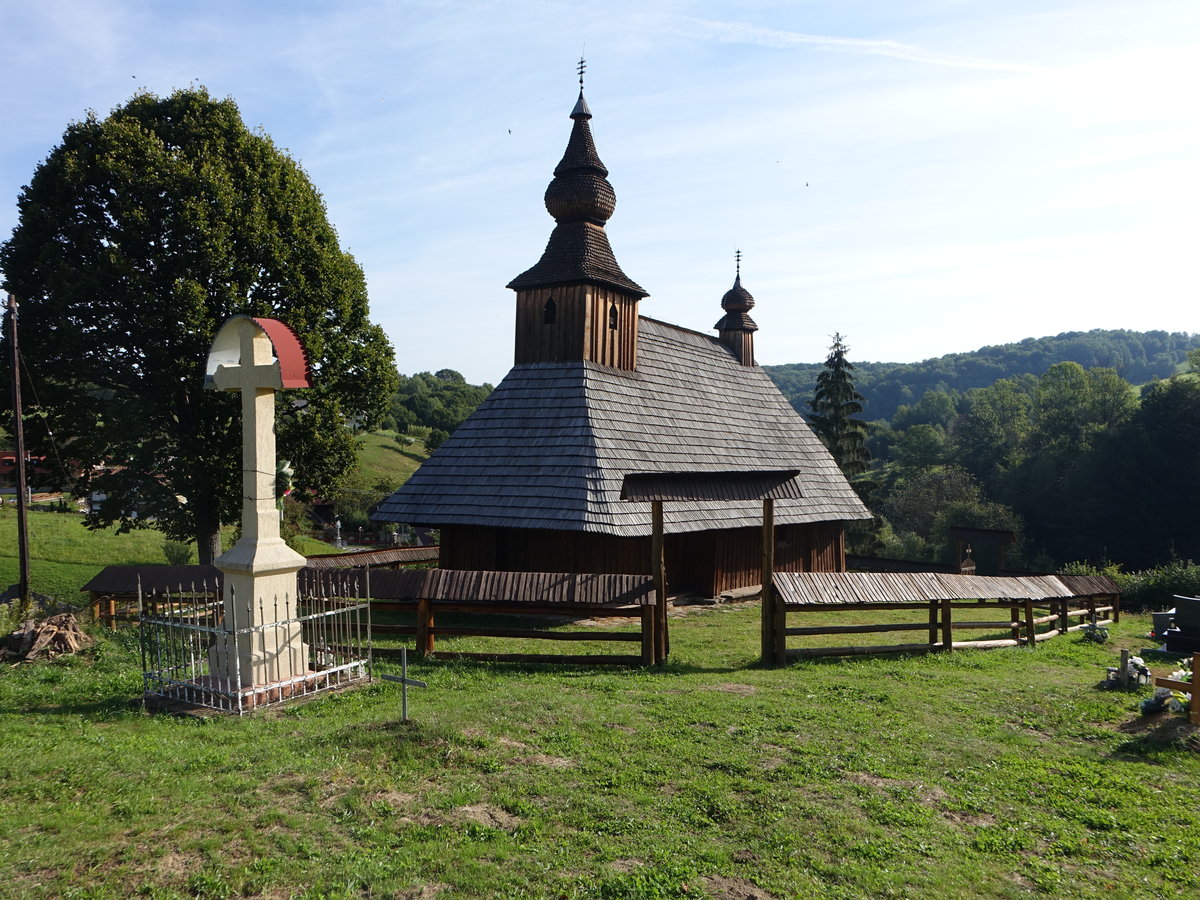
x=63 y=555
x=1004 y=773
x=380 y=458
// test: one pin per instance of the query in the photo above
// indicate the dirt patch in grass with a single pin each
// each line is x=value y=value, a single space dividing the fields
x=722 y=887
x=957 y=817
x=928 y=794
x=394 y=799
x=176 y=865
x=730 y=687
x=625 y=865
x=1164 y=726
x=424 y=892
x=509 y=742
x=550 y=762
x=488 y=815
x=425 y=817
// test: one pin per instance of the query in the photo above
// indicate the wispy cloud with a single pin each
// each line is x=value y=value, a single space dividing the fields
x=756 y=35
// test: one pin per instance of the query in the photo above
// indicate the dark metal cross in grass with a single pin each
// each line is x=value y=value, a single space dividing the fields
x=405 y=683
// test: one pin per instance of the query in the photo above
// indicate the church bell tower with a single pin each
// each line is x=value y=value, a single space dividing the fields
x=576 y=303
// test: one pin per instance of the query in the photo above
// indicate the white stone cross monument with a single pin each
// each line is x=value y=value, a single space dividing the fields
x=258 y=357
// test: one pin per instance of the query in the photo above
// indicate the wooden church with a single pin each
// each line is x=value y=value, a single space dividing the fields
x=532 y=480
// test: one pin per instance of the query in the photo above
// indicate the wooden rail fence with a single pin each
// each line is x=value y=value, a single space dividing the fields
x=427 y=593
x=1022 y=607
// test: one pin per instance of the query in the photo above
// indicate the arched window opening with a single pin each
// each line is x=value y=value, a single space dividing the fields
x=614 y=317
x=550 y=312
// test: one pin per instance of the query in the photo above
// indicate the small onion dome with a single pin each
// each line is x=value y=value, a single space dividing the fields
x=737 y=302
x=737 y=298
x=580 y=191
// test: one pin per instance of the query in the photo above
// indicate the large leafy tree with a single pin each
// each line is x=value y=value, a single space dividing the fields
x=139 y=236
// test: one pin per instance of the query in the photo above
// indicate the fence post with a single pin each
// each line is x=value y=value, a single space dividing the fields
x=649 y=638
x=1015 y=617
x=947 y=638
x=1030 y=627
x=662 y=635
x=1195 y=715
x=424 y=623
x=933 y=623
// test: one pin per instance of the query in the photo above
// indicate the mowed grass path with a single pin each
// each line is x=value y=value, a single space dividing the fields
x=1003 y=773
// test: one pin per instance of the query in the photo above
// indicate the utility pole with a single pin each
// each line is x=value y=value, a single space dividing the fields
x=19 y=436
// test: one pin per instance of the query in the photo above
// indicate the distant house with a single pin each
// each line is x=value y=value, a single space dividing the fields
x=38 y=475
x=532 y=480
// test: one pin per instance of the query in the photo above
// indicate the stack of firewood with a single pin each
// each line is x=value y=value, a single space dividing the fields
x=50 y=637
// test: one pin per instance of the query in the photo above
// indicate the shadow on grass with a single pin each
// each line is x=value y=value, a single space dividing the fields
x=1162 y=732
x=415 y=457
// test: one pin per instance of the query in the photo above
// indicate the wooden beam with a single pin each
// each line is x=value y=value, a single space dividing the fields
x=658 y=565
x=947 y=637
x=855 y=629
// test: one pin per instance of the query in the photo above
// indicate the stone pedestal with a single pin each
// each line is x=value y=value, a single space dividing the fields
x=259 y=605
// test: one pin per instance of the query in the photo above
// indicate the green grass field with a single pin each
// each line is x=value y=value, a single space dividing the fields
x=1004 y=773
x=63 y=555
x=380 y=458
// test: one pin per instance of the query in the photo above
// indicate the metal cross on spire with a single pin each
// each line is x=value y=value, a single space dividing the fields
x=737 y=259
x=582 y=67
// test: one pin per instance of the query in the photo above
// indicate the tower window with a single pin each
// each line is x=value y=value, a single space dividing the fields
x=614 y=317
x=550 y=312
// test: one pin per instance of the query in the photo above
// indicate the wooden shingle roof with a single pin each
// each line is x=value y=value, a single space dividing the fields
x=551 y=445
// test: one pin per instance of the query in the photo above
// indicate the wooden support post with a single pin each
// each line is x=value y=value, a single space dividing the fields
x=1195 y=714
x=1030 y=625
x=1064 y=620
x=1123 y=673
x=649 y=638
x=947 y=638
x=933 y=623
x=659 y=568
x=774 y=641
x=1116 y=608
x=1015 y=617
x=424 y=626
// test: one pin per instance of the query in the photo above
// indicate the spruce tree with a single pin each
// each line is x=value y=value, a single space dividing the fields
x=835 y=405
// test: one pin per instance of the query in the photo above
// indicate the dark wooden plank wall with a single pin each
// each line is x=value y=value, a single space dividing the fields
x=707 y=562
x=608 y=347
x=538 y=342
x=580 y=329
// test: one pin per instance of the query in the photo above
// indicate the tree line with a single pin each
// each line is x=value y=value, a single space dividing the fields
x=1078 y=463
x=1137 y=356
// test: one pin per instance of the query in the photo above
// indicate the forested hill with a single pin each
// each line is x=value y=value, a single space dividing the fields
x=1138 y=357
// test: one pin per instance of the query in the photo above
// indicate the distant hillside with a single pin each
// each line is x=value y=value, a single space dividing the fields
x=1138 y=356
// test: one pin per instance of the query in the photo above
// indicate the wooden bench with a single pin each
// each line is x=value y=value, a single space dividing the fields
x=428 y=592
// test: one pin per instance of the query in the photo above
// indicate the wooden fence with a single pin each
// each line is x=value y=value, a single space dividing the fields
x=428 y=593
x=1027 y=610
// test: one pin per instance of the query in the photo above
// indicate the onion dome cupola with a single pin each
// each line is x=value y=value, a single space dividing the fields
x=576 y=303
x=736 y=328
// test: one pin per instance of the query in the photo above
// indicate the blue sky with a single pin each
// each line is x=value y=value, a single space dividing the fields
x=923 y=177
